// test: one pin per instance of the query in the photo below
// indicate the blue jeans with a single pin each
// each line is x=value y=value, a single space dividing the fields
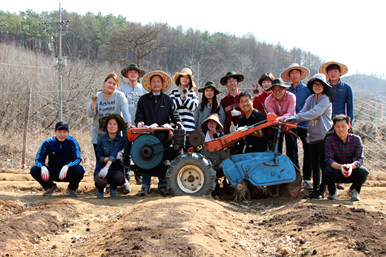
x=74 y=176
x=146 y=181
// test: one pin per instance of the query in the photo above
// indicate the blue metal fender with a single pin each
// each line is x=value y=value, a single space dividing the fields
x=259 y=168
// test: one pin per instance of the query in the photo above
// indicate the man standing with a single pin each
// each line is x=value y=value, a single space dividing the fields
x=344 y=158
x=230 y=102
x=133 y=91
x=63 y=162
x=344 y=101
x=282 y=103
x=294 y=74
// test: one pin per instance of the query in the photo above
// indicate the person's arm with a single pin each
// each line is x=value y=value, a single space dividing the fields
x=41 y=155
x=173 y=114
x=124 y=106
x=197 y=115
x=222 y=115
x=359 y=156
x=269 y=105
x=140 y=113
x=175 y=95
x=350 y=104
x=329 y=153
x=117 y=147
x=100 y=158
x=92 y=109
x=308 y=113
x=191 y=101
x=75 y=149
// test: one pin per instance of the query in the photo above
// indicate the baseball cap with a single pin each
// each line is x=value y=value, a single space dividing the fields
x=61 y=125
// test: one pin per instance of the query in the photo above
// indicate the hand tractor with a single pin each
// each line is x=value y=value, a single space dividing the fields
x=157 y=151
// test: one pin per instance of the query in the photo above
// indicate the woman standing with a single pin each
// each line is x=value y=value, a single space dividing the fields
x=184 y=97
x=265 y=81
x=208 y=105
x=109 y=169
x=317 y=111
x=106 y=102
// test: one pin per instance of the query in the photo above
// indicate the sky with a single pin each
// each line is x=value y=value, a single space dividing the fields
x=351 y=32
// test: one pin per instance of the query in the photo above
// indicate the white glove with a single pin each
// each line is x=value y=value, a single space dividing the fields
x=103 y=172
x=290 y=118
x=119 y=156
x=154 y=125
x=167 y=125
x=242 y=128
x=45 y=174
x=346 y=170
x=63 y=172
x=141 y=124
x=235 y=113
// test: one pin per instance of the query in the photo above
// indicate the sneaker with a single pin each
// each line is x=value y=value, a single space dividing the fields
x=340 y=186
x=333 y=197
x=164 y=191
x=353 y=193
x=71 y=192
x=99 y=194
x=316 y=195
x=144 y=191
x=126 y=187
x=307 y=184
x=51 y=190
x=113 y=192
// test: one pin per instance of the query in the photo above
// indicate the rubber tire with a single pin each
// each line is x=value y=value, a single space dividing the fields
x=201 y=163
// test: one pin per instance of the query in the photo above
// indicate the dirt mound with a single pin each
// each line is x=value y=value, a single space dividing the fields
x=129 y=225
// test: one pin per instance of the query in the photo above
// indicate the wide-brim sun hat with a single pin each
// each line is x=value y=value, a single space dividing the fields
x=165 y=77
x=279 y=82
x=104 y=120
x=209 y=84
x=343 y=68
x=223 y=80
x=304 y=72
x=132 y=66
x=318 y=77
x=184 y=72
x=214 y=117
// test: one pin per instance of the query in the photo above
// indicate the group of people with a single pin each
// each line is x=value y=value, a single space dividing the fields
x=324 y=106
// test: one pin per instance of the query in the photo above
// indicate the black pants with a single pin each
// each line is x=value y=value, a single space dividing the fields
x=114 y=177
x=332 y=176
x=291 y=146
x=317 y=163
x=303 y=135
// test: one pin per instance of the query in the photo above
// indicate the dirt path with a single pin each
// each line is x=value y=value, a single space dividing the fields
x=129 y=225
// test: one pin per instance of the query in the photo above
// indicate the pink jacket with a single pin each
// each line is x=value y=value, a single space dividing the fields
x=283 y=110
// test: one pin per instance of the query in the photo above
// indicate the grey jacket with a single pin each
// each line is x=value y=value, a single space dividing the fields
x=318 y=114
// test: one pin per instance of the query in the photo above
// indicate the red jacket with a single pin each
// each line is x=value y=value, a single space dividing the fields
x=228 y=103
x=258 y=102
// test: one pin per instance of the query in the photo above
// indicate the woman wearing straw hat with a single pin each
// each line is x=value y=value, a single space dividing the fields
x=106 y=102
x=230 y=102
x=184 y=97
x=317 y=111
x=212 y=127
x=156 y=109
x=109 y=169
x=208 y=104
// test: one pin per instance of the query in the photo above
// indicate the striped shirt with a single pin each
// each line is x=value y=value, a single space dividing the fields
x=185 y=108
x=344 y=153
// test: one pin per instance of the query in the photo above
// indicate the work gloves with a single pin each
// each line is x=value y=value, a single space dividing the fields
x=63 y=172
x=290 y=119
x=45 y=174
x=103 y=172
x=346 y=170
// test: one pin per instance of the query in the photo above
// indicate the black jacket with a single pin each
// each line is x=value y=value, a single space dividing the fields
x=156 y=109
